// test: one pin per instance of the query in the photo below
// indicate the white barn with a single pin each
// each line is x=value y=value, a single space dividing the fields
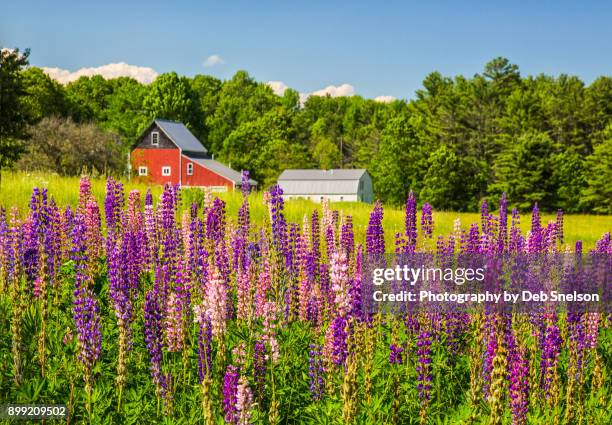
x=334 y=185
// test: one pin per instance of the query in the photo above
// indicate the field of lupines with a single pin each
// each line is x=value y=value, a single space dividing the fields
x=137 y=312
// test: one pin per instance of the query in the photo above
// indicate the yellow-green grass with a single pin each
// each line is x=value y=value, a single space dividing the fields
x=16 y=188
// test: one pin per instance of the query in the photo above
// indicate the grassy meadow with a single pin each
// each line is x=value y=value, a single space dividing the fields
x=16 y=188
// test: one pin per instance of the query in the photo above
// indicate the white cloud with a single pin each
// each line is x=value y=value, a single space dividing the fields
x=385 y=99
x=278 y=87
x=335 y=91
x=213 y=60
x=142 y=74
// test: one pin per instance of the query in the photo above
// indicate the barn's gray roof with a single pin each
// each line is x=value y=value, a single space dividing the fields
x=180 y=135
x=222 y=170
x=335 y=175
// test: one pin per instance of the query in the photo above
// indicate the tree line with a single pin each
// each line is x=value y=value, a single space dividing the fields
x=538 y=138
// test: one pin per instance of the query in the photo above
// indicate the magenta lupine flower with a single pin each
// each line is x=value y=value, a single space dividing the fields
x=395 y=354
x=375 y=234
x=264 y=285
x=243 y=293
x=518 y=389
x=259 y=369
x=230 y=394
x=427 y=220
x=411 y=222
x=487 y=366
x=316 y=372
x=551 y=348
x=215 y=303
x=424 y=364
x=244 y=401
x=338 y=275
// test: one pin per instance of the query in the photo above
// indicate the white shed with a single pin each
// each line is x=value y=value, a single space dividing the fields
x=335 y=185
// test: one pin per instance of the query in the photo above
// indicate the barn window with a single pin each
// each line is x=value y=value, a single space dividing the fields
x=190 y=168
x=143 y=171
x=155 y=138
x=166 y=171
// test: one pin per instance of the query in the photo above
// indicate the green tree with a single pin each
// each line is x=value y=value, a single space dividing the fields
x=43 y=97
x=400 y=162
x=598 y=195
x=124 y=114
x=169 y=97
x=452 y=183
x=62 y=146
x=525 y=171
x=13 y=112
x=87 y=98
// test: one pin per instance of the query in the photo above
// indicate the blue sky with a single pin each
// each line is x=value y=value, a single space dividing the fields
x=379 y=49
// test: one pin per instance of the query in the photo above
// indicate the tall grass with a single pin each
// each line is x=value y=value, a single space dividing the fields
x=16 y=188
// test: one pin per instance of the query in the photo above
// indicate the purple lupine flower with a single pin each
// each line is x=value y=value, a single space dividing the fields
x=230 y=394
x=246 y=183
x=277 y=218
x=315 y=235
x=347 y=238
x=424 y=364
x=336 y=348
x=395 y=354
x=154 y=336
x=375 y=234
x=534 y=243
x=204 y=348
x=427 y=220
x=411 y=222
x=259 y=368
x=516 y=239
x=316 y=372
x=502 y=234
x=485 y=218
x=559 y=225
x=87 y=322
x=113 y=205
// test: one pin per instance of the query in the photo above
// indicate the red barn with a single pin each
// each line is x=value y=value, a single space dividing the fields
x=167 y=152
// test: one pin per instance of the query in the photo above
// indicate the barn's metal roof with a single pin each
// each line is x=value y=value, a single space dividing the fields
x=180 y=135
x=221 y=169
x=319 y=187
x=335 y=175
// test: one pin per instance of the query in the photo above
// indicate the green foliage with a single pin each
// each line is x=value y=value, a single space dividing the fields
x=524 y=171
x=62 y=146
x=13 y=110
x=598 y=194
x=494 y=124
x=447 y=175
